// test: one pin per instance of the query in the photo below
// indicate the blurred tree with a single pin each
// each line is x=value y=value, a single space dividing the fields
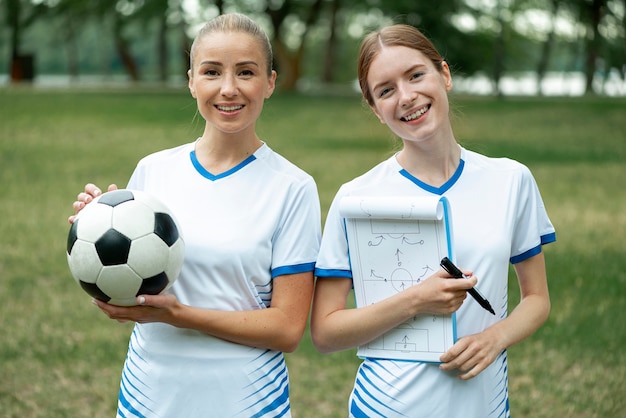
x=20 y=14
x=317 y=40
x=70 y=17
x=603 y=39
x=328 y=75
x=291 y=22
x=548 y=44
x=592 y=12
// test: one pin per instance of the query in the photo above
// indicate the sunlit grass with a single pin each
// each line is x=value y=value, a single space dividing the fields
x=60 y=357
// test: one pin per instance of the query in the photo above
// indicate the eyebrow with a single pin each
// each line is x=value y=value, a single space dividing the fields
x=407 y=72
x=239 y=64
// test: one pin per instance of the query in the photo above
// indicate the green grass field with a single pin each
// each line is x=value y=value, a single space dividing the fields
x=60 y=357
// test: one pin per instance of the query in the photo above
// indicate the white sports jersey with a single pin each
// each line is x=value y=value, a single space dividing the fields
x=497 y=217
x=242 y=228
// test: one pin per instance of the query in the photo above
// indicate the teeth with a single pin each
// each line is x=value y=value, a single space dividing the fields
x=229 y=108
x=416 y=114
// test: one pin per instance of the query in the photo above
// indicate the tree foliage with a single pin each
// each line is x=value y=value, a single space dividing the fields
x=317 y=39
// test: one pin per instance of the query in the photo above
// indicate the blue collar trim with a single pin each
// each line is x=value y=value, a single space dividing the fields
x=436 y=190
x=213 y=177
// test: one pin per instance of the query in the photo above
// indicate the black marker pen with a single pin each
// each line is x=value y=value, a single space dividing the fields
x=453 y=270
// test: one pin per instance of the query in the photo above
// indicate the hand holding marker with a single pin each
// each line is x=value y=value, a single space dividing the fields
x=453 y=270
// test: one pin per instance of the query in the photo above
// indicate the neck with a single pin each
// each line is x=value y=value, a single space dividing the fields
x=219 y=152
x=433 y=165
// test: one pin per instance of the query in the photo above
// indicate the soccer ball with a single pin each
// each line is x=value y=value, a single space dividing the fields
x=123 y=244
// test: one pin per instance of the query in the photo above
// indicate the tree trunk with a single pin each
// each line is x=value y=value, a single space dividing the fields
x=13 y=10
x=329 y=60
x=498 y=52
x=289 y=63
x=546 y=50
x=72 y=52
x=162 y=48
x=123 y=50
x=593 y=43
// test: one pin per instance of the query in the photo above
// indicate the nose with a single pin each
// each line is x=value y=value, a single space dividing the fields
x=407 y=94
x=229 y=86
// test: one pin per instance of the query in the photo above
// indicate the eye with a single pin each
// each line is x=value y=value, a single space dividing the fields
x=246 y=72
x=211 y=72
x=384 y=92
x=417 y=75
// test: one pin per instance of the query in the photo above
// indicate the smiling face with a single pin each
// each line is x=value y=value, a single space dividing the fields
x=229 y=80
x=408 y=93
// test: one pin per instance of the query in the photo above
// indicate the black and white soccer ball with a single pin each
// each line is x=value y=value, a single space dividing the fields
x=123 y=244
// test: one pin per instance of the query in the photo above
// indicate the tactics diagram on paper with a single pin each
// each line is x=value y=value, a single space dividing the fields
x=395 y=243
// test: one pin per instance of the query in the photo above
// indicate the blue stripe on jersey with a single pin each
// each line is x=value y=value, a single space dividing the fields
x=203 y=171
x=276 y=356
x=123 y=402
x=500 y=400
x=131 y=395
x=382 y=379
x=319 y=272
x=276 y=400
x=293 y=269
x=264 y=294
x=357 y=412
x=365 y=386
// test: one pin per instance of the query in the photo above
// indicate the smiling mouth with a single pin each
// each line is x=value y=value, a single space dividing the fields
x=416 y=114
x=232 y=108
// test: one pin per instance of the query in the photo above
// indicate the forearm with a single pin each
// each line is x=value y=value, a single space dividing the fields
x=474 y=353
x=348 y=328
x=522 y=322
x=334 y=327
x=534 y=306
x=264 y=328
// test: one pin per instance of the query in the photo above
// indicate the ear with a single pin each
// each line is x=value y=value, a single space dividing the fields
x=447 y=75
x=271 y=85
x=191 y=88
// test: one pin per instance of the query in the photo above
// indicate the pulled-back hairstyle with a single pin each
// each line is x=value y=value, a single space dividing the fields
x=395 y=35
x=234 y=22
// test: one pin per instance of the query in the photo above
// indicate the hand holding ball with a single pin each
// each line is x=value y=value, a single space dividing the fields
x=123 y=244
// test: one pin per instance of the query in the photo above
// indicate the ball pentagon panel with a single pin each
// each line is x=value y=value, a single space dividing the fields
x=85 y=265
x=93 y=221
x=148 y=255
x=120 y=283
x=133 y=219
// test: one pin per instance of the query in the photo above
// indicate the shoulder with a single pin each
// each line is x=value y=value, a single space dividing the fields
x=500 y=166
x=377 y=175
x=502 y=174
x=166 y=155
x=281 y=167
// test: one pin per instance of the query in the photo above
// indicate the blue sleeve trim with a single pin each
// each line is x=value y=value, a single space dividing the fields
x=295 y=269
x=545 y=239
x=333 y=273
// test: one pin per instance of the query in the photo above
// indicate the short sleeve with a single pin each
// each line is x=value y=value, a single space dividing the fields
x=333 y=260
x=533 y=227
x=296 y=242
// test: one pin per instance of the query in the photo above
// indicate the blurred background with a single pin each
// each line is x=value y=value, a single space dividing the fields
x=495 y=47
x=88 y=87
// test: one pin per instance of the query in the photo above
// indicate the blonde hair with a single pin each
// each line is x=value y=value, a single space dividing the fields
x=234 y=22
x=395 y=35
